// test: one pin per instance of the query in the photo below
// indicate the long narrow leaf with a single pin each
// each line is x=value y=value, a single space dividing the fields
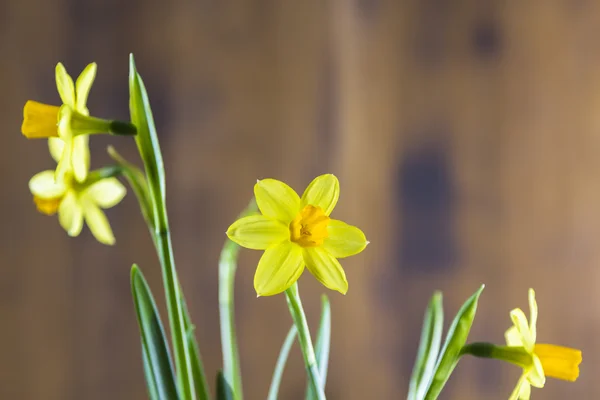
x=156 y=351
x=429 y=347
x=229 y=347
x=322 y=346
x=200 y=383
x=150 y=383
x=281 y=361
x=455 y=340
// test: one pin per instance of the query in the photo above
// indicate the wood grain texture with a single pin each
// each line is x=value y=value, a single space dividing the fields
x=465 y=136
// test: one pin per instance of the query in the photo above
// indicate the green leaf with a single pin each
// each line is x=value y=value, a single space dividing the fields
x=455 y=340
x=281 y=361
x=429 y=347
x=229 y=347
x=146 y=138
x=224 y=390
x=152 y=390
x=159 y=369
x=137 y=181
x=200 y=383
x=322 y=346
x=149 y=149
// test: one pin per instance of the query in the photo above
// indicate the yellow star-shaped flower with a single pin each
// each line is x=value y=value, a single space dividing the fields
x=296 y=232
x=75 y=202
x=545 y=359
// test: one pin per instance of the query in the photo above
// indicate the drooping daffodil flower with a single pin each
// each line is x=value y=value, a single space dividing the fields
x=546 y=360
x=70 y=122
x=77 y=201
x=297 y=232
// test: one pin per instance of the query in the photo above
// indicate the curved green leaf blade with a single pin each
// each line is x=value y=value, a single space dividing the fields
x=281 y=361
x=157 y=359
x=455 y=340
x=322 y=346
x=429 y=347
x=200 y=383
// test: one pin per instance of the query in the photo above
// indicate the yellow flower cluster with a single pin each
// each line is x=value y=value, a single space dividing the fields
x=68 y=190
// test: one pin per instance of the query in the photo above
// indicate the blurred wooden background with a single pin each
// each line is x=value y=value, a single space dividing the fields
x=466 y=136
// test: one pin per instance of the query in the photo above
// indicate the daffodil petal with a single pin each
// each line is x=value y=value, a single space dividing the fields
x=64 y=84
x=536 y=375
x=513 y=337
x=326 y=269
x=70 y=214
x=56 y=146
x=523 y=390
x=279 y=267
x=98 y=224
x=520 y=321
x=83 y=86
x=64 y=163
x=44 y=186
x=277 y=200
x=533 y=315
x=106 y=193
x=258 y=232
x=324 y=192
x=344 y=240
x=81 y=157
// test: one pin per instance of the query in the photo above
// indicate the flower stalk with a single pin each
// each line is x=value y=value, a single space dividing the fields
x=308 y=353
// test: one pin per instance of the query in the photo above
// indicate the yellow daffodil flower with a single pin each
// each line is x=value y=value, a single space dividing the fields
x=545 y=359
x=297 y=232
x=76 y=202
x=69 y=123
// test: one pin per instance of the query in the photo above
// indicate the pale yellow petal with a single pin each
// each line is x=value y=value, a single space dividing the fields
x=64 y=163
x=258 y=232
x=279 y=267
x=326 y=269
x=536 y=375
x=523 y=390
x=43 y=185
x=81 y=157
x=70 y=214
x=277 y=200
x=513 y=337
x=533 y=315
x=520 y=321
x=65 y=86
x=324 y=192
x=344 y=240
x=98 y=223
x=106 y=193
x=56 y=146
x=83 y=86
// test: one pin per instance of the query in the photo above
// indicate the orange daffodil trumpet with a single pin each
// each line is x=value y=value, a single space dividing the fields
x=297 y=232
x=70 y=123
x=545 y=359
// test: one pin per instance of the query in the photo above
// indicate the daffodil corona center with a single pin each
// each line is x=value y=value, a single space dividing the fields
x=309 y=228
x=47 y=206
x=559 y=362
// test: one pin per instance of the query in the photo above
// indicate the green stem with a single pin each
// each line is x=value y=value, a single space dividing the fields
x=176 y=318
x=231 y=357
x=308 y=352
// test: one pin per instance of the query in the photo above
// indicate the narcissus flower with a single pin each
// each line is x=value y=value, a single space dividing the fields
x=70 y=122
x=76 y=202
x=297 y=232
x=545 y=359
